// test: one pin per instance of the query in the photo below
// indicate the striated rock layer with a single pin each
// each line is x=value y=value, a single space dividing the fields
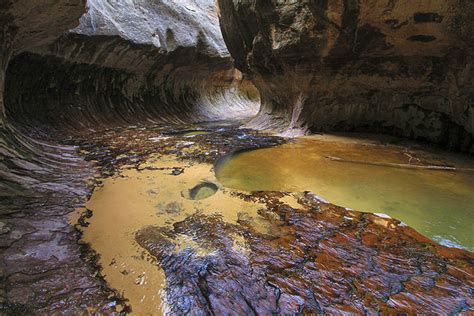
x=125 y=62
x=42 y=268
x=130 y=62
x=400 y=67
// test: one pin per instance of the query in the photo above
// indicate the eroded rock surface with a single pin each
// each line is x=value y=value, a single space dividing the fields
x=310 y=256
x=402 y=67
x=157 y=61
x=316 y=258
x=42 y=267
x=164 y=24
x=133 y=61
x=129 y=62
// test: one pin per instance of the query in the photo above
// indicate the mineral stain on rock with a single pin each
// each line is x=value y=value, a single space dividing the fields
x=263 y=251
x=328 y=260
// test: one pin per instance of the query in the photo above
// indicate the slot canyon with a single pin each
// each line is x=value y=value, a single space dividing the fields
x=236 y=157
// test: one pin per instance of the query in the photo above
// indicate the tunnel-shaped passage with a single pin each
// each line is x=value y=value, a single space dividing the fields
x=50 y=92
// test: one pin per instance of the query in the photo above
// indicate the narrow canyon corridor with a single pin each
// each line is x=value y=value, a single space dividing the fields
x=164 y=157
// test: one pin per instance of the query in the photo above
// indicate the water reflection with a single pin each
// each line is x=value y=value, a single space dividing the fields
x=153 y=195
x=438 y=203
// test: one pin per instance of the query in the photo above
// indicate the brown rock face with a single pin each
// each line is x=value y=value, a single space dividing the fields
x=29 y=23
x=315 y=259
x=130 y=62
x=42 y=268
x=402 y=67
x=26 y=24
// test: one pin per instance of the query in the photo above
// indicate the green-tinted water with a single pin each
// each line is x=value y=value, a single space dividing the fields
x=439 y=204
x=194 y=133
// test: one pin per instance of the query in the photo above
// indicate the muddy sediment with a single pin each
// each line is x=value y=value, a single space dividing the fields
x=297 y=253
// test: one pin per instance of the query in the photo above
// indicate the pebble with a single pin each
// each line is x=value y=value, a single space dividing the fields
x=4 y=229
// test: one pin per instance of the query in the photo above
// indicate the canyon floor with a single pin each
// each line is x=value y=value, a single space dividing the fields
x=207 y=157
x=150 y=229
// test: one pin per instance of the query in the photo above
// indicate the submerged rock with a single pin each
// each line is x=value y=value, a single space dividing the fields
x=320 y=259
x=170 y=208
x=201 y=191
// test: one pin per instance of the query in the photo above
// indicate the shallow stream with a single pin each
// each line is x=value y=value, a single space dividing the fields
x=367 y=176
x=171 y=202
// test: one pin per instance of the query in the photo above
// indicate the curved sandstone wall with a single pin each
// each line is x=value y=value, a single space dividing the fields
x=130 y=62
x=117 y=82
x=125 y=62
x=26 y=24
x=68 y=67
x=400 y=67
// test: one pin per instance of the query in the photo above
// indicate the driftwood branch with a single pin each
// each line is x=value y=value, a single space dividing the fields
x=400 y=165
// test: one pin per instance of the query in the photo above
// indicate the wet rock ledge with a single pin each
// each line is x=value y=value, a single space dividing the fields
x=308 y=257
x=316 y=258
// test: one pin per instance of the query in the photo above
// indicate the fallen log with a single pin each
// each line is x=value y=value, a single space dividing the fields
x=400 y=165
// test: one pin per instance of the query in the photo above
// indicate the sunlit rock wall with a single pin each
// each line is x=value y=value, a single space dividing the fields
x=400 y=67
x=164 y=24
x=129 y=62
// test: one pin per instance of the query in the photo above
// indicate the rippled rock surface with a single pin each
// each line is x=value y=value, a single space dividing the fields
x=123 y=62
x=42 y=268
x=295 y=256
x=401 y=67
x=316 y=258
x=129 y=62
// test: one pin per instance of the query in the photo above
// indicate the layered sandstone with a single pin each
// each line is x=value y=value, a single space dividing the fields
x=129 y=62
x=67 y=69
x=400 y=67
